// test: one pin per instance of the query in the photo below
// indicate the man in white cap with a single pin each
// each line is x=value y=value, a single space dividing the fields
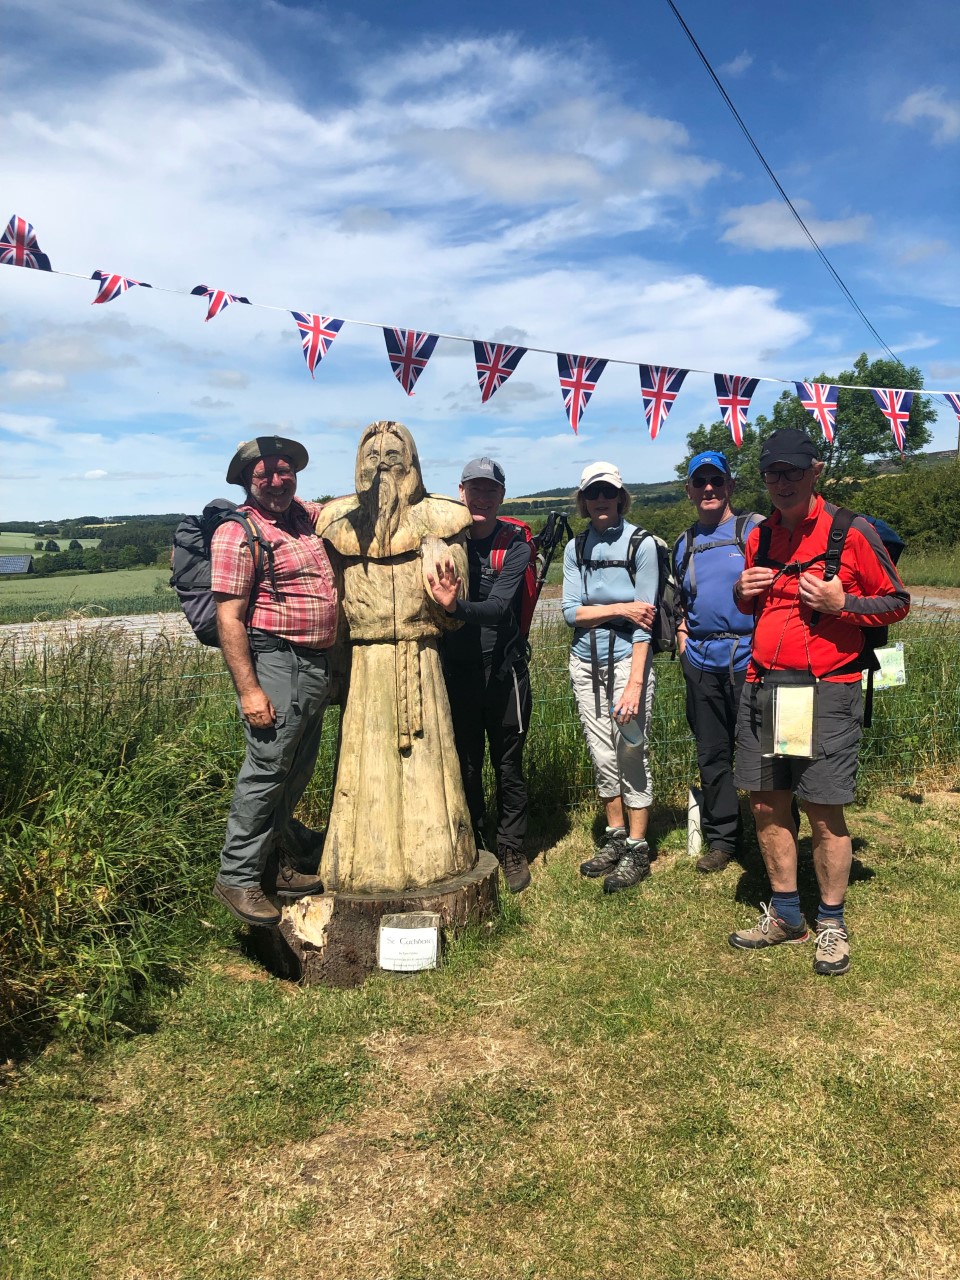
x=276 y=618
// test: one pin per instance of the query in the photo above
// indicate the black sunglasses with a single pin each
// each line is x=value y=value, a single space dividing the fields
x=715 y=481
x=594 y=491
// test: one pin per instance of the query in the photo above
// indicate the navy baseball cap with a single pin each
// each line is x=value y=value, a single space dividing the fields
x=791 y=446
x=484 y=469
x=709 y=458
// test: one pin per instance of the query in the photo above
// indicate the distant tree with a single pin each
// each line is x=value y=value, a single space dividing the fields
x=862 y=433
x=38 y=546
x=75 y=545
x=92 y=560
x=50 y=545
x=129 y=556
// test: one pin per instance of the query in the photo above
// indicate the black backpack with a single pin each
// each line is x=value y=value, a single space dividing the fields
x=190 y=561
x=663 y=634
x=873 y=637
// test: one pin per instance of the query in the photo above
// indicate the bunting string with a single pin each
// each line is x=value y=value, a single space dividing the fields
x=409 y=350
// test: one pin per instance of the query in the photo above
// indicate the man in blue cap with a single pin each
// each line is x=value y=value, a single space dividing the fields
x=713 y=638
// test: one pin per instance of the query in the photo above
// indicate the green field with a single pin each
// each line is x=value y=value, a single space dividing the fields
x=13 y=544
x=92 y=592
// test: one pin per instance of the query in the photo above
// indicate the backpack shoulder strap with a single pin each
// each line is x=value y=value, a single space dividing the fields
x=740 y=530
x=633 y=546
x=259 y=548
x=579 y=542
x=763 y=547
x=687 y=561
x=504 y=537
x=842 y=520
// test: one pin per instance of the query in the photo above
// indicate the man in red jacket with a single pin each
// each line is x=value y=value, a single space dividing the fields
x=812 y=628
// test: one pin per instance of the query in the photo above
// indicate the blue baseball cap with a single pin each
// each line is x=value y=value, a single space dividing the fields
x=709 y=458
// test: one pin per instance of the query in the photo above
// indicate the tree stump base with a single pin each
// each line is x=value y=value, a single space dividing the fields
x=331 y=938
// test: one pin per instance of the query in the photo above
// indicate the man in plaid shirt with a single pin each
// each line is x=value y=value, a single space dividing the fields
x=276 y=619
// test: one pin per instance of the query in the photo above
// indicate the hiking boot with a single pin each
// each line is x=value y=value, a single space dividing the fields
x=247 y=902
x=607 y=856
x=769 y=931
x=514 y=867
x=833 y=948
x=633 y=867
x=292 y=883
x=714 y=860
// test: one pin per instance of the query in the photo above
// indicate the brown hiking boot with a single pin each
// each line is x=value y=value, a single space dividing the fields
x=769 y=931
x=714 y=860
x=833 y=948
x=292 y=883
x=247 y=902
x=516 y=872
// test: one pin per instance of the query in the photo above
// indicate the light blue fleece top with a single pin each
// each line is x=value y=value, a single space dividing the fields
x=608 y=586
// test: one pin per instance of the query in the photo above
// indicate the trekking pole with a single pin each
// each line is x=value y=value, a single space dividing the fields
x=555 y=530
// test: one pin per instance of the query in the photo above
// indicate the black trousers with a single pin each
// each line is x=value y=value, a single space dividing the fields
x=494 y=709
x=712 y=702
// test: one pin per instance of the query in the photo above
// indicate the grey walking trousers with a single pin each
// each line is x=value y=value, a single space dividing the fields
x=279 y=761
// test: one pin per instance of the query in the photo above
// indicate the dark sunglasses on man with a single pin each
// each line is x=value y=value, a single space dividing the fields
x=594 y=491
x=700 y=481
x=790 y=474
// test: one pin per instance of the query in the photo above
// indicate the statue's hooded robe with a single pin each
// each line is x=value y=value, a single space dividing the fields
x=399 y=818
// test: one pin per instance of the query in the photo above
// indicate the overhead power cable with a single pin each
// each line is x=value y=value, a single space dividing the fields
x=841 y=285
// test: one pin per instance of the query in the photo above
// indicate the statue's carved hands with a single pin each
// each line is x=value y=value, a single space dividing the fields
x=446 y=586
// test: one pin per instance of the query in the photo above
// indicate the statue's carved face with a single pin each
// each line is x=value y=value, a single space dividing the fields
x=382 y=452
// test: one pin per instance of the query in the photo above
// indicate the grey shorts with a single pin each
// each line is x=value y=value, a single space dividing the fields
x=830 y=778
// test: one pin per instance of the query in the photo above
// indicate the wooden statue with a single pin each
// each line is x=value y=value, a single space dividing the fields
x=399 y=818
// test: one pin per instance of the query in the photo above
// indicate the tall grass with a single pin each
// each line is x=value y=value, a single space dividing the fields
x=118 y=761
x=931 y=567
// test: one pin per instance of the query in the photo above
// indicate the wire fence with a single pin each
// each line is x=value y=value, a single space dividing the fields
x=95 y=698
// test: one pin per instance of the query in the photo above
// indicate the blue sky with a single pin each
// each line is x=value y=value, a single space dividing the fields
x=562 y=176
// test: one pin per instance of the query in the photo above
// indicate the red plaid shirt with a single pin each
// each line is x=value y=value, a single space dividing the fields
x=305 y=609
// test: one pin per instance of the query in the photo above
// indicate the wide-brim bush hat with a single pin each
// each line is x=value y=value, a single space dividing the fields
x=265 y=447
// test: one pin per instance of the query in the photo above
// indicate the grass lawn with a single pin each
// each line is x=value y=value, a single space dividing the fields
x=594 y=1087
x=82 y=589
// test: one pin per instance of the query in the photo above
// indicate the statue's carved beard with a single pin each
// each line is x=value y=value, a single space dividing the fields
x=384 y=503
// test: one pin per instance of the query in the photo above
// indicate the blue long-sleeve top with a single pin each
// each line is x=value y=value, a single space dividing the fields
x=608 y=586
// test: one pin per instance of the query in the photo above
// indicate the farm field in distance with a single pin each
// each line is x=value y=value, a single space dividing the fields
x=16 y=544
x=83 y=588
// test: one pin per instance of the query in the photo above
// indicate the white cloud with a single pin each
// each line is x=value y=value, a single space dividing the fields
x=95 y=475
x=932 y=104
x=738 y=65
x=771 y=225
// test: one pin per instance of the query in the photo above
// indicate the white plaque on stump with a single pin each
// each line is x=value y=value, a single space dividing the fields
x=409 y=941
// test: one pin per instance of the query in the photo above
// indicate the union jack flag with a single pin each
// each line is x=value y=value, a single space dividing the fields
x=820 y=401
x=579 y=376
x=408 y=352
x=317 y=333
x=19 y=248
x=495 y=363
x=734 y=394
x=219 y=299
x=112 y=286
x=659 y=386
x=895 y=406
x=954 y=400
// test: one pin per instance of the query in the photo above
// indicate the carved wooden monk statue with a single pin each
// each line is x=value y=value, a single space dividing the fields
x=399 y=818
